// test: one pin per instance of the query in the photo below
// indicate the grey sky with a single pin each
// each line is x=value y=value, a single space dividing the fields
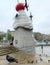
x=39 y=8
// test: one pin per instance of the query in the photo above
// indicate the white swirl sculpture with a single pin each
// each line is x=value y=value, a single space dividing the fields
x=22 y=21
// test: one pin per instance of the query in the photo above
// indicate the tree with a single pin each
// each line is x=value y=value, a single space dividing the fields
x=0 y=37
x=38 y=36
x=10 y=37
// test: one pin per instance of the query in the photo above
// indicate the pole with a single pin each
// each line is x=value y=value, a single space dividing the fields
x=42 y=48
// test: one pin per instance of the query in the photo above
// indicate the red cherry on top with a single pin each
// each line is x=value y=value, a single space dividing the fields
x=20 y=6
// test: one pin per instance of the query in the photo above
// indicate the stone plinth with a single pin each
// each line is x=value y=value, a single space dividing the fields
x=24 y=40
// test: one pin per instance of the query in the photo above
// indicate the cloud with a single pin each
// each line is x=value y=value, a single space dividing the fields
x=39 y=8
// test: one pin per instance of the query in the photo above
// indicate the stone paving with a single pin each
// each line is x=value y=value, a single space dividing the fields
x=3 y=60
x=22 y=58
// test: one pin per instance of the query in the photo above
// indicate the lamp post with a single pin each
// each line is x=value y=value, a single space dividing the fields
x=42 y=49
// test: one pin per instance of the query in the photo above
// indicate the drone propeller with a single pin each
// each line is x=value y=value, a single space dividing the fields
x=17 y=1
x=26 y=5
